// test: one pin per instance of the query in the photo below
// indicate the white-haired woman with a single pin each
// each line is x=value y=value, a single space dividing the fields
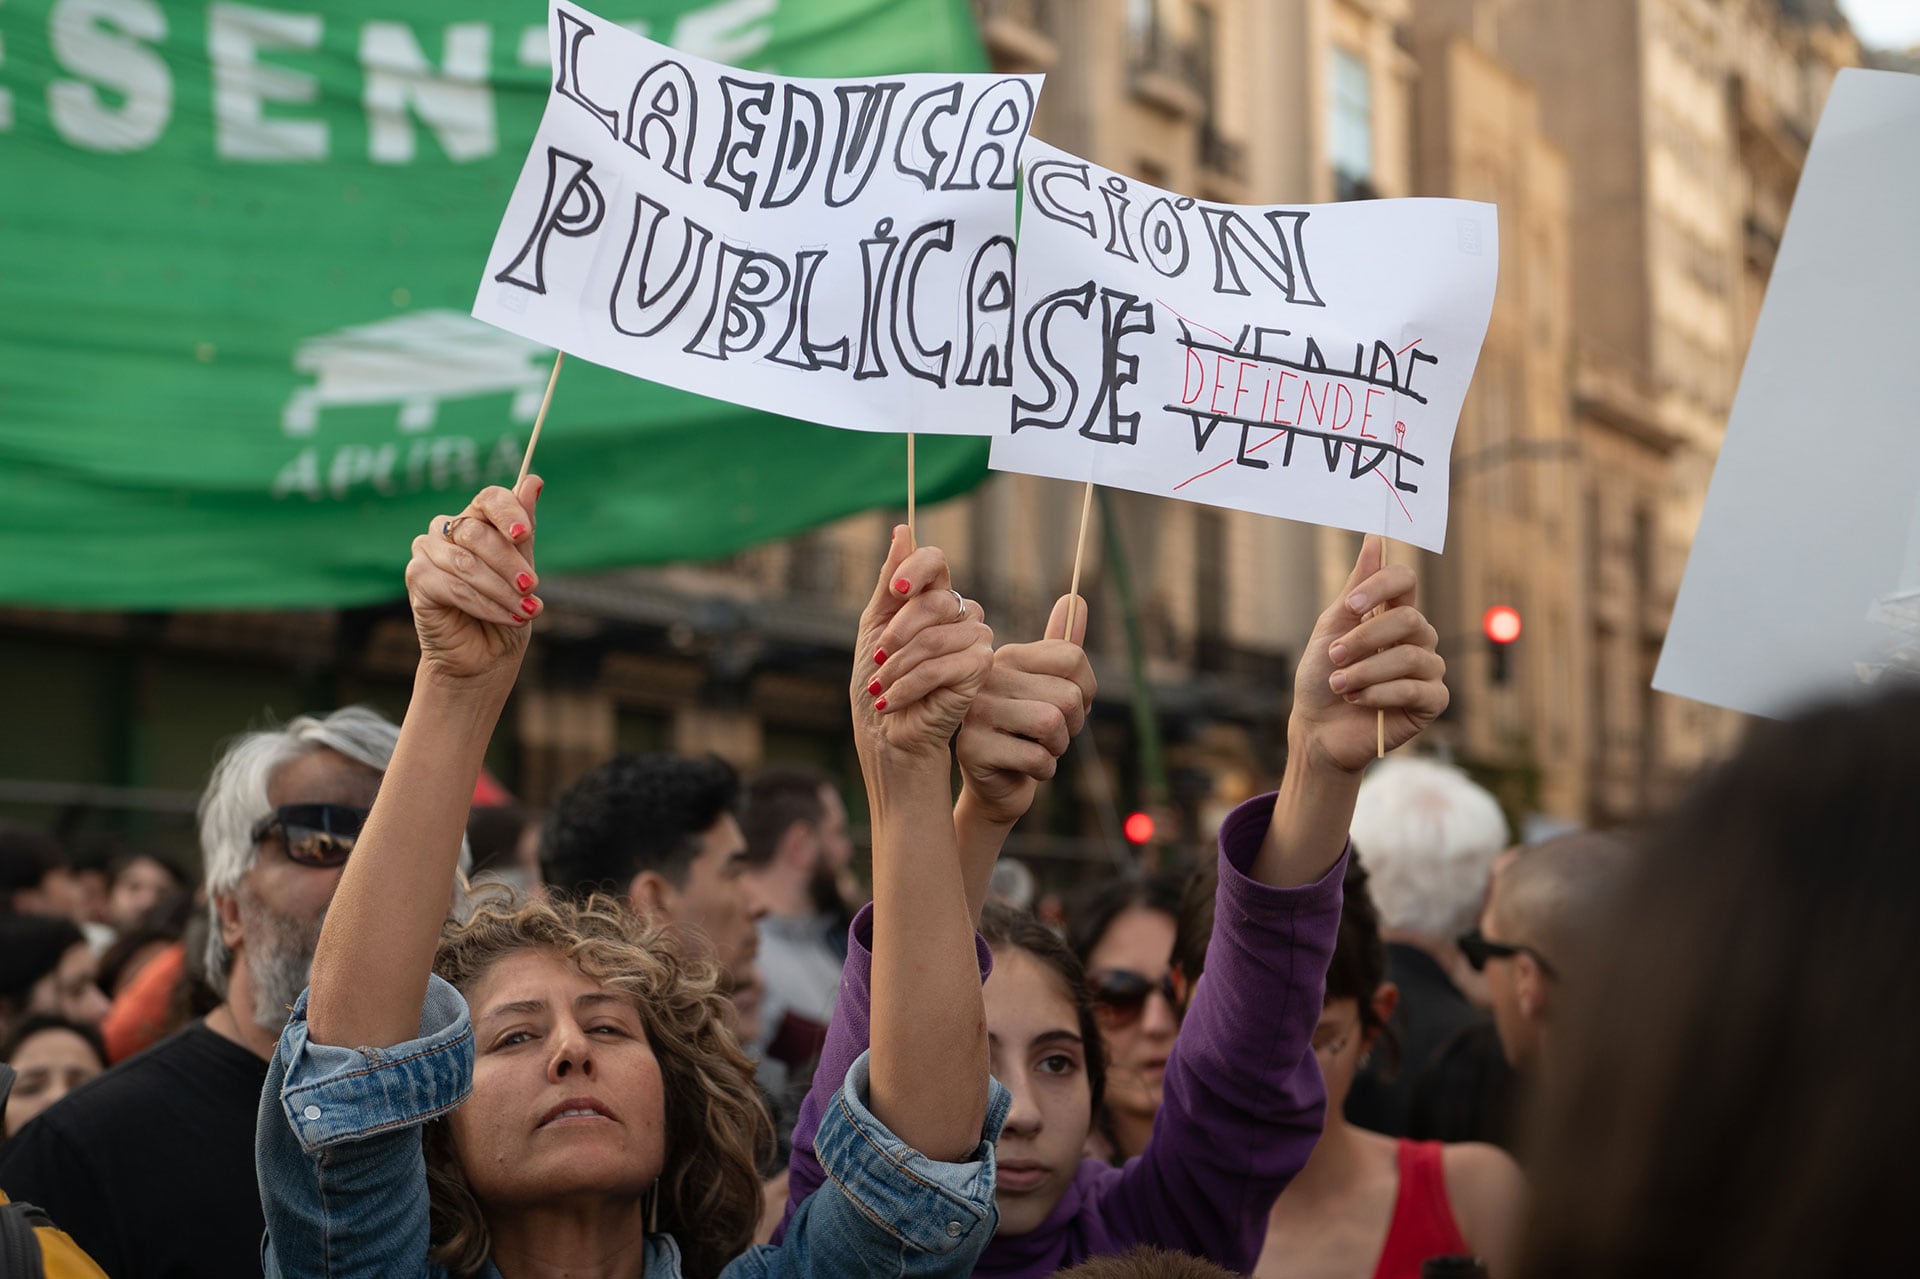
x=585 y=1109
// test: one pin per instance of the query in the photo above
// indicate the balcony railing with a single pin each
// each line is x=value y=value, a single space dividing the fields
x=1167 y=71
x=1221 y=154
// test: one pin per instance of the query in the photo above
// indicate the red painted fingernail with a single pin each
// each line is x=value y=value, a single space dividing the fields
x=880 y=705
x=902 y=585
x=879 y=656
x=524 y=581
x=530 y=606
x=538 y=485
x=517 y=532
x=874 y=688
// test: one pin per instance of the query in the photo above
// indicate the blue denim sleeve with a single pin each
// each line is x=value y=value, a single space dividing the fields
x=343 y=1179
x=885 y=1209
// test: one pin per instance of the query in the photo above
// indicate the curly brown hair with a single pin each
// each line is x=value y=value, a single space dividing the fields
x=708 y=1197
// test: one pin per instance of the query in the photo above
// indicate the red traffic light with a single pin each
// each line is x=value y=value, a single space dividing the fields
x=1138 y=827
x=1501 y=624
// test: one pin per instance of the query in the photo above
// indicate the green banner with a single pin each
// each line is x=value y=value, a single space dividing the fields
x=237 y=249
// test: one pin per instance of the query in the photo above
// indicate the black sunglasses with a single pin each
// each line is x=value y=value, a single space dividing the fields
x=1120 y=996
x=1479 y=949
x=317 y=835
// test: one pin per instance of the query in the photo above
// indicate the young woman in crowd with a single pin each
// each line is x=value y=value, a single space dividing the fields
x=1733 y=1092
x=1123 y=936
x=1243 y=1101
x=585 y=1109
x=1366 y=1204
x=46 y=966
x=52 y=1055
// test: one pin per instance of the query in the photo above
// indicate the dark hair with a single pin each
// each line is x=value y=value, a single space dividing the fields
x=494 y=833
x=776 y=799
x=1004 y=926
x=635 y=813
x=27 y=1027
x=120 y=863
x=1731 y=1093
x=26 y=858
x=1087 y=924
x=1359 y=963
x=1146 y=1263
x=1193 y=923
x=164 y=921
x=30 y=948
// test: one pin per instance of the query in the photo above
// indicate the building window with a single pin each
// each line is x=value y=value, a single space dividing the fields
x=1351 y=121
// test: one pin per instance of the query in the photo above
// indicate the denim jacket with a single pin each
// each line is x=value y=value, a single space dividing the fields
x=343 y=1177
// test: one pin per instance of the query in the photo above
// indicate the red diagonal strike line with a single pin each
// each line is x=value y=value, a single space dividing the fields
x=1400 y=432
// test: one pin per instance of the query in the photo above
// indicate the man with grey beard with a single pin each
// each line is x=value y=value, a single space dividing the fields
x=150 y=1166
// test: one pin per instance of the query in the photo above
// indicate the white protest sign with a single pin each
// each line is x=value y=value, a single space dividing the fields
x=835 y=250
x=1306 y=361
x=1804 y=577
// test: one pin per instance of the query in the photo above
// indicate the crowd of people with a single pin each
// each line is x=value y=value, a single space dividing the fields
x=668 y=1029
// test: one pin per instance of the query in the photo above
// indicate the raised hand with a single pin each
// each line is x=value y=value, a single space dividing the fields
x=471 y=583
x=923 y=653
x=1034 y=702
x=1355 y=666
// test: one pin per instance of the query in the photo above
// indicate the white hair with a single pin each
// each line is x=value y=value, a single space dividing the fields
x=236 y=798
x=1428 y=836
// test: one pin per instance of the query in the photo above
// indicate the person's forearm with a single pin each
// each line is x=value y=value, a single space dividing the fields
x=981 y=837
x=929 y=1062
x=376 y=948
x=1310 y=820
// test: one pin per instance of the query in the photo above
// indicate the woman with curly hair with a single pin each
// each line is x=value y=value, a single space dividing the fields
x=552 y=1087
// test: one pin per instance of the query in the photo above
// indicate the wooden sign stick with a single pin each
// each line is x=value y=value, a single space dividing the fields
x=540 y=420
x=1079 y=554
x=1380 y=717
x=912 y=488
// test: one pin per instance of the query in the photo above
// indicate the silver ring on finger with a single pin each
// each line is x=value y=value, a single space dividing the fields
x=961 y=600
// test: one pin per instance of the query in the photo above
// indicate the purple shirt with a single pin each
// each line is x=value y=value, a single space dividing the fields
x=1243 y=1098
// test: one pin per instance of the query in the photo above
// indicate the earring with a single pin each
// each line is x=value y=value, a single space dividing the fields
x=1366 y=1059
x=653 y=1209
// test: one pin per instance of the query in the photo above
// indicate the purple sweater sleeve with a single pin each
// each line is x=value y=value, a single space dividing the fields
x=1243 y=1101
x=848 y=1034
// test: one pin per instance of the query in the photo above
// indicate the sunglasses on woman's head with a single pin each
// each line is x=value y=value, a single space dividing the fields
x=316 y=835
x=1120 y=996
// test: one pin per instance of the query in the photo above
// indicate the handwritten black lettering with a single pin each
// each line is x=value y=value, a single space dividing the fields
x=1119 y=244
x=740 y=137
x=796 y=347
x=924 y=240
x=1283 y=261
x=566 y=81
x=673 y=108
x=1041 y=178
x=989 y=360
x=864 y=112
x=926 y=108
x=1117 y=320
x=745 y=283
x=798 y=149
x=876 y=257
x=1045 y=364
x=566 y=179
x=1163 y=240
x=996 y=126
x=631 y=310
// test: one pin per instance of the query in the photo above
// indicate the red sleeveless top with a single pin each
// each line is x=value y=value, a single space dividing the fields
x=1423 y=1224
